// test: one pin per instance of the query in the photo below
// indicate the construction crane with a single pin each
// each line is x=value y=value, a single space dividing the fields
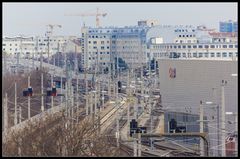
x=51 y=26
x=97 y=14
x=50 y=33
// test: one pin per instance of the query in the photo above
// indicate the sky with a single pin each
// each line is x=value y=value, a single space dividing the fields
x=30 y=19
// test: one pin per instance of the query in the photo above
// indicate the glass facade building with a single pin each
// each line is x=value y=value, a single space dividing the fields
x=228 y=26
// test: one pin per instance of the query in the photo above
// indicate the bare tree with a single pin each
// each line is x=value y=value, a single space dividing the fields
x=56 y=135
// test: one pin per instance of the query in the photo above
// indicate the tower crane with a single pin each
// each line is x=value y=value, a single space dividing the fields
x=50 y=33
x=51 y=26
x=97 y=14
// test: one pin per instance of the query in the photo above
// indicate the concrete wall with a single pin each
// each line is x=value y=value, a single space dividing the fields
x=194 y=82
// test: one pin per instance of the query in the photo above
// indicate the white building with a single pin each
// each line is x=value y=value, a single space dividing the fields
x=105 y=44
x=194 y=50
x=27 y=46
x=190 y=42
x=23 y=45
x=96 y=46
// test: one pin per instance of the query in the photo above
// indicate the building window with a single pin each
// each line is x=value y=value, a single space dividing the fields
x=175 y=46
x=10 y=44
x=179 y=35
x=186 y=35
x=194 y=54
x=212 y=54
x=183 y=54
x=206 y=46
x=230 y=54
x=94 y=42
x=224 y=54
x=184 y=46
x=230 y=46
x=102 y=42
x=224 y=46
x=212 y=46
x=179 y=46
x=4 y=44
x=89 y=42
x=200 y=54
x=107 y=47
x=236 y=46
x=183 y=36
x=206 y=54
x=236 y=54
x=102 y=47
x=218 y=54
x=200 y=46
x=194 y=46
x=189 y=46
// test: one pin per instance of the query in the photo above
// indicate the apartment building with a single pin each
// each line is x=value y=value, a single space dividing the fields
x=33 y=46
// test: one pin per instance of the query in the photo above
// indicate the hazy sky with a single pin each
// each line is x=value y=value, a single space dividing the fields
x=32 y=18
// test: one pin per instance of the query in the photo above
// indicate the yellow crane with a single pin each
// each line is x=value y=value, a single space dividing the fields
x=97 y=14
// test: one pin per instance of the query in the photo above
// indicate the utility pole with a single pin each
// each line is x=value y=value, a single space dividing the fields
x=128 y=105
x=61 y=85
x=135 y=145
x=42 y=105
x=15 y=103
x=201 y=129
x=41 y=60
x=33 y=57
x=139 y=145
x=5 y=112
x=4 y=62
x=223 y=118
x=91 y=103
x=20 y=54
x=77 y=98
x=117 y=131
x=52 y=85
x=151 y=120
x=72 y=102
x=86 y=90
x=218 y=119
x=48 y=47
x=29 y=115
x=20 y=114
